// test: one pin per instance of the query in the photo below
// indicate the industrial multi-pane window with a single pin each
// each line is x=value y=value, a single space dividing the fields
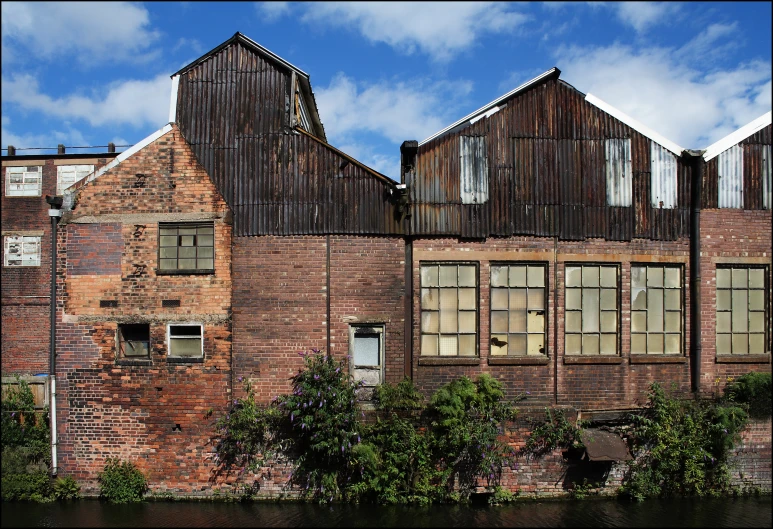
x=473 y=169
x=741 y=310
x=656 y=310
x=518 y=309
x=186 y=247
x=449 y=310
x=23 y=181
x=185 y=340
x=21 y=250
x=67 y=175
x=591 y=318
x=134 y=340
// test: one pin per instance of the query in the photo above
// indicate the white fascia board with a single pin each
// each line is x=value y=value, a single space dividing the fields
x=128 y=152
x=472 y=117
x=173 y=100
x=638 y=127
x=717 y=148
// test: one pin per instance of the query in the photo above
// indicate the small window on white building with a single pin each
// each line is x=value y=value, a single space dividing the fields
x=67 y=175
x=366 y=347
x=730 y=177
x=21 y=250
x=662 y=177
x=618 y=172
x=23 y=181
x=185 y=340
x=474 y=169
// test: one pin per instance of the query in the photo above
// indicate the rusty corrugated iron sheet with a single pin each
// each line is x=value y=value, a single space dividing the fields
x=548 y=162
x=234 y=109
x=730 y=178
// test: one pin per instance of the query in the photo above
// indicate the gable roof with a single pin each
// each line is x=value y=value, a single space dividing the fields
x=638 y=127
x=739 y=135
x=303 y=77
x=491 y=108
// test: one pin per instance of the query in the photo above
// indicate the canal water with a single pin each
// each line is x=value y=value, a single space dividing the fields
x=733 y=512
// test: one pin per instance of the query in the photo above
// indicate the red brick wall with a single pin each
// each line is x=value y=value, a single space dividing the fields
x=730 y=236
x=157 y=413
x=590 y=386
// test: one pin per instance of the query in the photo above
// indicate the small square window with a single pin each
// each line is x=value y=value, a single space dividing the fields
x=23 y=181
x=186 y=248
x=185 y=340
x=133 y=340
x=21 y=250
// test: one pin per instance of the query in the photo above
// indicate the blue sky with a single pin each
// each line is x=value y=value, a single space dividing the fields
x=90 y=73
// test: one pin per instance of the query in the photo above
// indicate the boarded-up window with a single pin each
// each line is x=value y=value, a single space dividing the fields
x=367 y=351
x=767 y=179
x=67 y=175
x=474 y=169
x=618 y=170
x=730 y=171
x=23 y=181
x=21 y=250
x=662 y=177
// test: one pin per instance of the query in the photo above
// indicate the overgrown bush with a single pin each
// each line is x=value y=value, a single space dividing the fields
x=753 y=391
x=121 y=482
x=66 y=488
x=682 y=447
x=401 y=396
x=554 y=432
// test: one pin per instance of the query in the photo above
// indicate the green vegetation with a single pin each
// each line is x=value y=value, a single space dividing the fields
x=682 y=447
x=66 y=488
x=121 y=482
x=554 y=432
x=753 y=392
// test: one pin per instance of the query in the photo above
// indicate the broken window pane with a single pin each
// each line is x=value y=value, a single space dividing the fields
x=499 y=344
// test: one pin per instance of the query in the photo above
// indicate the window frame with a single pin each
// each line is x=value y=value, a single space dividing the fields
x=25 y=174
x=617 y=310
x=664 y=332
x=422 y=333
x=546 y=301
x=367 y=329
x=178 y=226
x=74 y=169
x=170 y=337
x=765 y=310
x=120 y=340
x=7 y=246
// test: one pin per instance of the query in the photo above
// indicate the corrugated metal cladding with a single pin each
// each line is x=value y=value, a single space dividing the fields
x=663 y=175
x=747 y=167
x=234 y=110
x=547 y=160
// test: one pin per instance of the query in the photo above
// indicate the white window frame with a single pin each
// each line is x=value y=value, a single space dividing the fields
x=170 y=337
x=473 y=169
x=650 y=335
x=23 y=242
x=358 y=371
x=30 y=184
x=662 y=177
x=67 y=175
x=617 y=156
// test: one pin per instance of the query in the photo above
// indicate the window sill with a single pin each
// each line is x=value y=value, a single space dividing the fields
x=743 y=359
x=449 y=361
x=595 y=359
x=657 y=359
x=184 y=360
x=23 y=196
x=134 y=362
x=518 y=360
x=183 y=272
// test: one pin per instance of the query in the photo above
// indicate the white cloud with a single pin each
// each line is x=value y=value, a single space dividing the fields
x=403 y=111
x=68 y=137
x=642 y=15
x=439 y=29
x=688 y=106
x=272 y=11
x=89 y=32
x=133 y=102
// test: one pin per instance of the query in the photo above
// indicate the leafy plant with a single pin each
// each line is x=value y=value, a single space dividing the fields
x=121 y=482
x=66 y=488
x=753 y=390
x=682 y=447
x=554 y=432
x=400 y=396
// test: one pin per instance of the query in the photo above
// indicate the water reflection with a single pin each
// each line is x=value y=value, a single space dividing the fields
x=739 y=512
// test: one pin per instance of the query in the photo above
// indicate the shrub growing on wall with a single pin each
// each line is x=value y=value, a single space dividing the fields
x=121 y=482
x=753 y=391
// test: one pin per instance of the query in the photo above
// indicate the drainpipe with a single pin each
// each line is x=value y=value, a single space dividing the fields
x=695 y=271
x=55 y=213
